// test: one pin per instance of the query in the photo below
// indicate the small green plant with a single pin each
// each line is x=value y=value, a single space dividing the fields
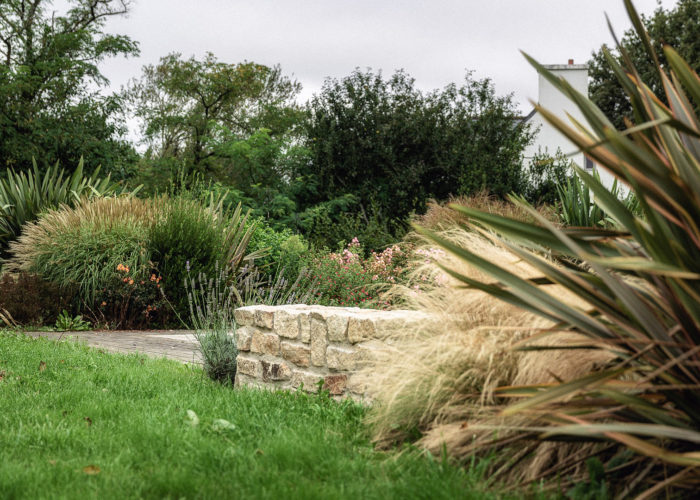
x=211 y=302
x=67 y=323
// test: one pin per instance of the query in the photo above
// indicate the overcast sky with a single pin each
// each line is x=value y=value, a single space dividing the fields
x=436 y=41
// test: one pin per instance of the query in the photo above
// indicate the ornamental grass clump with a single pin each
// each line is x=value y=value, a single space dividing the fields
x=83 y=246
x=446 y=372
x=637 y=291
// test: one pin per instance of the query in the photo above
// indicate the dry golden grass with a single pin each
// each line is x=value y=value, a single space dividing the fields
x=440 y=217
x=441 y=379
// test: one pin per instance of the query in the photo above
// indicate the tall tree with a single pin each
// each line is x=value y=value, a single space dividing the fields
x=678 y=26
x=50 y=105
x=194 y=109
x=392 y=146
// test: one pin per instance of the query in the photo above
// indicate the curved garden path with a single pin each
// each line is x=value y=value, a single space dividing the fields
x=179 y=345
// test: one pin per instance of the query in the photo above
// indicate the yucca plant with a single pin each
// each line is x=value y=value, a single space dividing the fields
x=25 y=195
x=577 y=206
x=640 y=282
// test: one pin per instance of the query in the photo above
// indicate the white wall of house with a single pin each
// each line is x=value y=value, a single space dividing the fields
x=548 y=139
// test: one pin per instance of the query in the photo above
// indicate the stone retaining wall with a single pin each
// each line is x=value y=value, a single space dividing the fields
x=287 y=347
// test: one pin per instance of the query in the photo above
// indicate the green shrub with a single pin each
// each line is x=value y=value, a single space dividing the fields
x=185 y=232
x=543 y=175
x=190 y=237
x=279 y=249
x=126 y=256
x=99 y=249
x=332 y=224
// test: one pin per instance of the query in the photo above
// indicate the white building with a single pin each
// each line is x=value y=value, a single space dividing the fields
x=548 y=139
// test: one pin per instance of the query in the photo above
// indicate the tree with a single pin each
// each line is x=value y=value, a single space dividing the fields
x=50 y=106
x=192 y=110
x=392 y=147
x=678 y=27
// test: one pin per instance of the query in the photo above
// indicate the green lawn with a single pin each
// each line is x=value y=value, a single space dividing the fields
x=65 y=408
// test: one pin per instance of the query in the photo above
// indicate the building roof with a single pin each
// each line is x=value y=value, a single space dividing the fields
x=565 y=66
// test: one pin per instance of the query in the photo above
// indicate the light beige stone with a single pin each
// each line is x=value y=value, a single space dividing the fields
x=244 y=315
x=308 y=380
x=337 y=327
x=360 y=329
x=248 y=366
x=341 y=358
x=296 y=353
x=265 y=343
x=244 y=335
x=305 y=327
x=287 y=324
x=265 y=317
x=274 y=370
x=319 y=341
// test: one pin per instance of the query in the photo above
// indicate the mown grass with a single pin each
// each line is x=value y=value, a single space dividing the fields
x=65 y=408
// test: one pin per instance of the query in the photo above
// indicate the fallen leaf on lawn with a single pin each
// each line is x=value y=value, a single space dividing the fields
x=88 y=421
x=42 y=366
x=192 y=418
x=222 y=425
x=2 y=375
x=52 y=462
x=91 y=470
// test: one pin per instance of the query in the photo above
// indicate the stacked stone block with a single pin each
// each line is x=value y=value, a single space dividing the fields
x=300 y=346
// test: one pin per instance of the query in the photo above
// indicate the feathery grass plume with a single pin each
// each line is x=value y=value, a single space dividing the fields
x=639 y=287
x=448 y=371
x=440 y=216
x=83 y=245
